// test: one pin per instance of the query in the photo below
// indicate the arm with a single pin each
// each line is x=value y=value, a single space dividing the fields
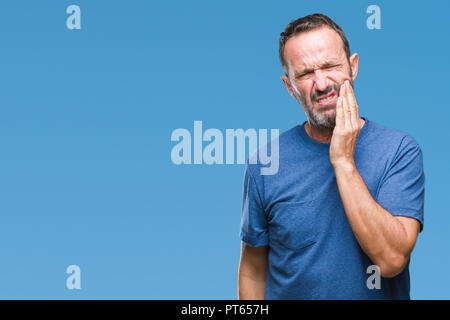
x=252 y=273
x=387 y=240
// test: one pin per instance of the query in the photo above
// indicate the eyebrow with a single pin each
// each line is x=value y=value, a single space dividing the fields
x=326 y=64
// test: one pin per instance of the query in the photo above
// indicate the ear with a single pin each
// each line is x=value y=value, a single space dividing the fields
x=354 y=61
x=287 y=84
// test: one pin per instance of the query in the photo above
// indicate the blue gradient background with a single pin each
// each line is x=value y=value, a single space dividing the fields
x=86 y=118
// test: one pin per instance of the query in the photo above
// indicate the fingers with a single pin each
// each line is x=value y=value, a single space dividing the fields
x=340 y=121
x=345 y=105
x=353 y=106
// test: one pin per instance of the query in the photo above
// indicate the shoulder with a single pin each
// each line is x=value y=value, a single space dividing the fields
x=390 y=136
x=288 y=137
x=392 y=141
x=269 y=152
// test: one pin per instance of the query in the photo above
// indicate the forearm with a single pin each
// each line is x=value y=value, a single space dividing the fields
x=251 y=289
x=381 y=236
x=252 y=273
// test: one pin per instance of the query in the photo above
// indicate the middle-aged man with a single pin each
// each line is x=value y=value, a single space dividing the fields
x=349 y=193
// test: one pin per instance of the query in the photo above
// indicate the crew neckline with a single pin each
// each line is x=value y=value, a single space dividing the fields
x=325 y=147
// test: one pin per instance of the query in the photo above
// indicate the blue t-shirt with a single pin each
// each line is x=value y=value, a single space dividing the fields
x=298 y=213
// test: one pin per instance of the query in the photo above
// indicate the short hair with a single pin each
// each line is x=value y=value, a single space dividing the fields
x=308 y=23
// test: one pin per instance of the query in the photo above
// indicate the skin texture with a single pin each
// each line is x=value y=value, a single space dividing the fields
x=252 y=273
x=317 y=63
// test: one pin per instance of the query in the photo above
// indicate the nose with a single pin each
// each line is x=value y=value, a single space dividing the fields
x=320 y=80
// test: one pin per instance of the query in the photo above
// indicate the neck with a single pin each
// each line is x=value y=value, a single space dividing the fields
x=322 y=135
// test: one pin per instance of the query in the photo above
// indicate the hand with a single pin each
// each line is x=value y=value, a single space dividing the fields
x=346 y=131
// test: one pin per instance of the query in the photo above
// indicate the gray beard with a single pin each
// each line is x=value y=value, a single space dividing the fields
x=318 y=119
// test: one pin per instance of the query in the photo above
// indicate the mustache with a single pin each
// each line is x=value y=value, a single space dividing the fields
x=318 y=93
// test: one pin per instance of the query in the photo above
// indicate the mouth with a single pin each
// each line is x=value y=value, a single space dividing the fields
x=326 y=99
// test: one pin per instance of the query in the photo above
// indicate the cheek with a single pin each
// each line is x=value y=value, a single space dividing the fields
x=305 y=89
x=342 y=75
x=338 y=78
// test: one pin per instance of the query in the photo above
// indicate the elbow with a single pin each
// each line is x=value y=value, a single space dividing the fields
x=393 y=266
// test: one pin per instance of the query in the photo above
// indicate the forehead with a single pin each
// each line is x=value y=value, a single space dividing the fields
x=314 y=47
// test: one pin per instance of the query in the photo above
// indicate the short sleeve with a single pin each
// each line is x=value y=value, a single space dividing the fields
x=253 y=229
x=402 y=189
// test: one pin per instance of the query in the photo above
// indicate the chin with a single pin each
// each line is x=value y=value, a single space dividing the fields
x=322 y=121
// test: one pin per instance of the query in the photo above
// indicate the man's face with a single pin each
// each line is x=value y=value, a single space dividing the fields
x=318 y=66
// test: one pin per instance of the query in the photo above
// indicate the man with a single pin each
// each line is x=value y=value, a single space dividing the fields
x=348 y=197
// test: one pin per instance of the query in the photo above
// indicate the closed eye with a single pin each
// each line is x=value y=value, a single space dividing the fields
x=310 y=72
x=331 y=66
x=303 y=75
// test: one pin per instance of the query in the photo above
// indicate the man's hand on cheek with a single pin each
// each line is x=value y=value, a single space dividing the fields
x=346 y=131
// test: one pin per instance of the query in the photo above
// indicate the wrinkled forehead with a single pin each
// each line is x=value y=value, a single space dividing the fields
x=314 y=47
